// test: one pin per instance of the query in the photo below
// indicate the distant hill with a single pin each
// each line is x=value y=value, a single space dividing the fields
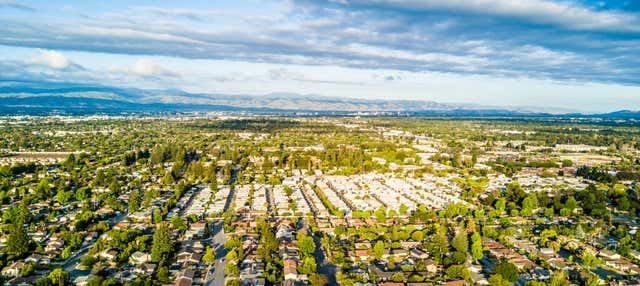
x=42 y=98
x=621 y=114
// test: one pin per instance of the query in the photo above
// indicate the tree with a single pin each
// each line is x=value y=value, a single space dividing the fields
x=162 y=246
x=18 y=241
x=231 y=270
x=318 y=280
x=307 y=246
x=378 y=250
x=593 y=280
x=580 y=232
x=439 y=245
x=417 y=236
x=162 y=274
x=178 y=223
x=70 y=162
x=403 y=209
x=571 y=203
x=589 y=260
x=501 y=205
x=59 y=276
x=134 y=201
x=397 y=277
x=209 y=255
x=458 y=270
x=460 y=241
x=507 y=270
x=232 y=255
x=476 y=247
x=156 y=216
x=528 y=204
x=497 y=280
x=381 y=214
x=548 y=212
x=559 y=278
x=308 y=266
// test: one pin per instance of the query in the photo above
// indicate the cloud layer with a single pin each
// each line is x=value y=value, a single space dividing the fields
x=578 y=41
x=390 y=41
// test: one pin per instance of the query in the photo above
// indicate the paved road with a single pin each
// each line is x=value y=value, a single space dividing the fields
x=219 y=238
x=325 y=267
x=74 y=259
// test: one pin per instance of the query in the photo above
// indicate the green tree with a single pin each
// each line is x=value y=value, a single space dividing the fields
x=571 y=203
x=134 y=201
x=307 y=246
x=177 y=222
x=18 y=241
x=403 y=209
x=507 y=270
x=593 y=280
x=528 y=205
x=209 y=255
x=559 y=278
x=501 y=205
x=548 y=212
x=439 y=245
x=397 y=277
x=378 y=249
x=157 y=216
x=589 y=260
x=162 y=246
x=59 y=276
x=579 y=233
x=460 y=241
x=308 y=265
x=417 y=236
x=318 y=280
x=232 y=255
x=476 y=247
x=497 y=280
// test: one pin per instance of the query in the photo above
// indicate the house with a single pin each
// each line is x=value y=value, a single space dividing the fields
x=635 y=254
x=456 y=283
x=290 y=269
x=418 y=254
x=608 y=254
x=23 y=281
x=13 y=270
x=359 y=253
x=145 y=269
x=109 y=254
x=183 y=281
x=139 y=258
x=54 y=246
x=38 y=259
x=83 y=280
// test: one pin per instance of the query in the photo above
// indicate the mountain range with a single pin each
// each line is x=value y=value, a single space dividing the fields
x=43 y=98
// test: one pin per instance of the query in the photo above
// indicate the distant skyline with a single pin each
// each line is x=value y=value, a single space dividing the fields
x=578 y=55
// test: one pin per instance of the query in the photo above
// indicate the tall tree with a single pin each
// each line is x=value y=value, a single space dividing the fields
x=307 y=246
x=162 y=246
x=134 y=201
x=59 y=276
x=378 y=249
x=460 y=241
x=209 y=256
x=476 y=246
x=18 y=241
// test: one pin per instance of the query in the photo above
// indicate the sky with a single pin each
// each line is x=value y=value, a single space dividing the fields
x=573 y=54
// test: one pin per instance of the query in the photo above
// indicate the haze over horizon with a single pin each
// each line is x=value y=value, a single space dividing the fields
x=576 y=55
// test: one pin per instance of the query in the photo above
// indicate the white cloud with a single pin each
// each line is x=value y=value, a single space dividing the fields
x=147 y=67
x=564 y=14
x=52 y=59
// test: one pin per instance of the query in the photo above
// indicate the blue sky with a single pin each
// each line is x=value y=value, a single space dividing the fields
x=579 y=55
